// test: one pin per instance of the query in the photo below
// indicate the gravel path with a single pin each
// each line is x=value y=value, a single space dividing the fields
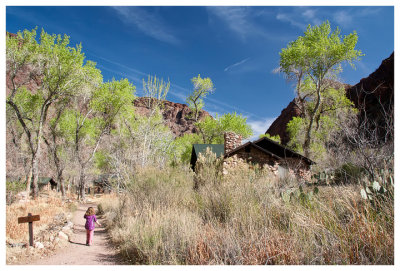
x=77 y=253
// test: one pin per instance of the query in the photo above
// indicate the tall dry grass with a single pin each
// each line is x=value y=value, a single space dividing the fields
x=47 y=207
x=163 y=219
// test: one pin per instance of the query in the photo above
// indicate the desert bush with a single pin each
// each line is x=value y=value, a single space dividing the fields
x=12 y=189
x=243 y=219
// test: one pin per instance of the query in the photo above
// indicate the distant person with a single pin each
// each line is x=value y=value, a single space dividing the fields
x=89 y=226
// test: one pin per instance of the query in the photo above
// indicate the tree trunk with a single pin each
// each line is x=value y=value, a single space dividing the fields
x=28 y=182
x=35 y=177
x=196 y=112
x=82 y=184
x=307 y=141
x=60 y=182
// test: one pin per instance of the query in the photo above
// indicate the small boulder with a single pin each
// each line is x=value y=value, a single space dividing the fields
x=38 y=245
x=62 y=235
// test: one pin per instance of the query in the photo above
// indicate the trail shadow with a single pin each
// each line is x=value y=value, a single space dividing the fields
x=107 y=258
x=100 y=232
x=76 y=243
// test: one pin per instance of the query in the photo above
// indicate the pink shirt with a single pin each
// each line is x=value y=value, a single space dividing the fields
x=90 y=222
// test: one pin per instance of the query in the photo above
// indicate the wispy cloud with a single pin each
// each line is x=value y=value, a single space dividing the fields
x=236 y=64
x=259 y=127
x=235 y=18
x=148 y=23
x=367 y=11
x=348 y=17
x=342 y=18
x=299 y=17
x=127 y=75
x=284 y=17
x=117 y=63
x=241 y=21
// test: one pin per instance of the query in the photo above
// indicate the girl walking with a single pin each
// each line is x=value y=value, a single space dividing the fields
x=90 y=217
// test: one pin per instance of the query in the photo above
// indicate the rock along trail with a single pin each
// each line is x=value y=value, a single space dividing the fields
x=76 y=252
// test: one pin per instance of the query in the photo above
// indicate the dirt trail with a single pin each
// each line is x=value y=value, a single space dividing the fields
x=76 y=252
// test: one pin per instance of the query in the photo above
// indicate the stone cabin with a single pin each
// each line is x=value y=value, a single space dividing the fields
x=46 y=184
x=265 y=152
x=102 y=184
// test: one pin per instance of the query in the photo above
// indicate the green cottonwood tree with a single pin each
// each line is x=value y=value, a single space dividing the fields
x=52 y=70
x=91 y=117
x=56 y=144
x=212 y=130
x=201 y=88
x=183 y=147
x=314 y=60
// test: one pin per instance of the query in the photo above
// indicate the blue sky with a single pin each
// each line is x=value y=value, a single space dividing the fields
x=237 y=47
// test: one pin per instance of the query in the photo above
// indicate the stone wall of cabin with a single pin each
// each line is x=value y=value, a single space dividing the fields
x=245 y=160
x=298 y=167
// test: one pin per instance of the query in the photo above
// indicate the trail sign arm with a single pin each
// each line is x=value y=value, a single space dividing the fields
x=29 y=219
x=26 y=219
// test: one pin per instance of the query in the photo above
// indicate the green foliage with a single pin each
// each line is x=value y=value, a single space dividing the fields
x=319 y=52
x=324 y=177
x=349 y=173
x=30 y=105
x=201 y=88
x=212 y=130
x=314 y=60
x=61 y=69
x=334 y=107
x=15 y=186
x=299 y=195
x=112 y=98
x=106 y=102
x=75 y=125
x=183 y=147
x=55 y=72
x=295 y=129
x=12 y=189
x=102 y=161
x=275 y=138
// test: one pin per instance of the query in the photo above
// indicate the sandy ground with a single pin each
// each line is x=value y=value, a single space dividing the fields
x=76 y=252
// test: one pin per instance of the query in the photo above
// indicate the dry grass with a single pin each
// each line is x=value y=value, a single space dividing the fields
x=46 y=207
x=162 y=219
x=53 y=212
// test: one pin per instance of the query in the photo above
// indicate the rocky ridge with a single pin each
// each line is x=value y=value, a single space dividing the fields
x=176 y=115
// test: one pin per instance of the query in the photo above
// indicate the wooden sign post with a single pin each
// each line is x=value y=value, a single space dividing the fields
x=29 y=219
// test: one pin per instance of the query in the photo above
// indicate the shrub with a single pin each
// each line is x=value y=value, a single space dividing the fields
x=161 y=219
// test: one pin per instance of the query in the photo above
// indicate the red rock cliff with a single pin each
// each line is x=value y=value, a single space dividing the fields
x=176 y=115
